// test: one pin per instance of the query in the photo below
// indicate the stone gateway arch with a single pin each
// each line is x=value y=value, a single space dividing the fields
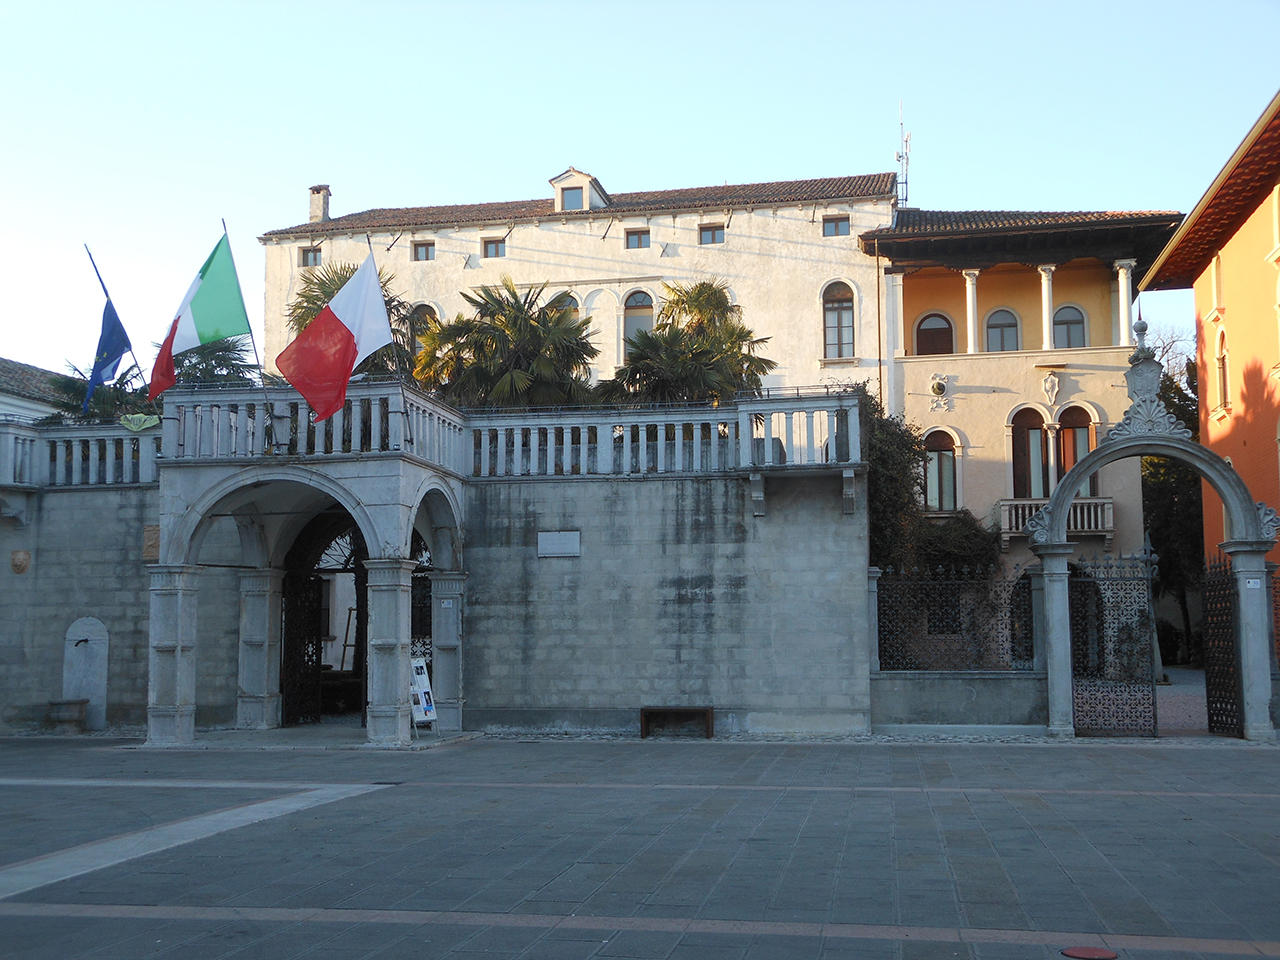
x=1149 y=430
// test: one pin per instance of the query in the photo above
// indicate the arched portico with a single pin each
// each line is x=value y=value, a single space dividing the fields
x=1148 y=429
x=271 y=503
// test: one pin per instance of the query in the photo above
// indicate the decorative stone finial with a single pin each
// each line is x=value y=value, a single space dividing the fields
x=1037 y=528
x=1269 y=520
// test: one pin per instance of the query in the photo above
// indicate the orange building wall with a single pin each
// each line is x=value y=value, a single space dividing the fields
x=1085 y=283
x=1248 y=433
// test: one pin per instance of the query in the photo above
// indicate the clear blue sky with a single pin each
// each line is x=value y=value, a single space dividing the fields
x=136 y=127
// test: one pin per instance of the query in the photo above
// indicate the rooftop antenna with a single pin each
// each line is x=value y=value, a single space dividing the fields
x=903 y=157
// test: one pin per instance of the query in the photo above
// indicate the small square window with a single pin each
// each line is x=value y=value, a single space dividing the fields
x=424 y=251
x=637 y=239
x=711 y=233
x=495 y=248
x=309 y=257
x=571 y=198
x=835 y=226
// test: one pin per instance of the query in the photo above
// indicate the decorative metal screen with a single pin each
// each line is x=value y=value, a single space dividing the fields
x=420 y=618
x=301 y=652
x=968 y=619
x=1221 y=667
x=1113 y=646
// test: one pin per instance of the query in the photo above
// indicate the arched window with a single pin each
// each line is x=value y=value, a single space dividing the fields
x=573 y=306
x=1068 y=327
x=934 y=336
x=637 y=314
x=1002 y=331
x=419 y=318
x=1030 y=456
x=837 y=320
x=940 y=471
x=1075 y=440
x=1224 y=381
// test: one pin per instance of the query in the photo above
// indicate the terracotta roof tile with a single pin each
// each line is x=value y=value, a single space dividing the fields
x=788 y=191
x=24 y=380
x=921 y=223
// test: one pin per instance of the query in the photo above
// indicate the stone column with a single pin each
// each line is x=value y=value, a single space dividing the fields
x=1051 y=451
x=1253 y=634
x=971 y=308
x=1057 y=639
x=390 y=591
x=258 y=697
x=1124 y=272
x=171 y=677
x=447 y=595
x=873 y=615
x=1046 y=304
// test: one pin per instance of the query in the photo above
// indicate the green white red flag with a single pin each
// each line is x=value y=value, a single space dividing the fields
x=213 y=309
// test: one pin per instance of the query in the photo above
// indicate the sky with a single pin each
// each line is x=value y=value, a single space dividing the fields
x=138 y=128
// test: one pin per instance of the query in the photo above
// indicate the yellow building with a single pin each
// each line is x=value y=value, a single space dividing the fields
x=1228 y=251
x=1011 y=332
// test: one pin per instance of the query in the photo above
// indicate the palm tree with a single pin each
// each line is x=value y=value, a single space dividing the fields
x=698 y=305
x=699 y=350
x=318 y=286
x=515 y=351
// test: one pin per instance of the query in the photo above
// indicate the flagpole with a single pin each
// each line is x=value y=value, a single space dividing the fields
x=102 y=284
x=262 y=373
x=395 y=352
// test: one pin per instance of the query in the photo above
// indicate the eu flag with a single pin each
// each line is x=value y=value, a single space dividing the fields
x=112 y=345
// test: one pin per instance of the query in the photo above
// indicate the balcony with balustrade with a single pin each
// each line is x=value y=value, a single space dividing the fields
x=1089 y=516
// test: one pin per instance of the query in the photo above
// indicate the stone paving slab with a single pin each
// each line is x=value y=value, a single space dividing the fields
x=668 y=849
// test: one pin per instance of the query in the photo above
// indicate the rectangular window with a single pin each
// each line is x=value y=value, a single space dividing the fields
x=835 y=226
x=711 y=233
x=940 y=480
x=495 y=248
x=571 y=198
x=309 y=257
x=637 y=239
x=424 y=251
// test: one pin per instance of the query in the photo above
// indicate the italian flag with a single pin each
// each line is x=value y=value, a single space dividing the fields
x=351 y=326
x=213 y=309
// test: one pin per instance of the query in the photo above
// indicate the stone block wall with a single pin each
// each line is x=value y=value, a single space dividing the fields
x=88 y=559
x=681 y=596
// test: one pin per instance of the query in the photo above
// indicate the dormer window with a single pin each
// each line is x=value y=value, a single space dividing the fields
x=575 y=190
x=571 y=198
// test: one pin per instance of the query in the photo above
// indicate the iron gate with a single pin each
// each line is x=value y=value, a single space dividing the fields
x=300 y=655
x=1113 y=646
x=1222 y=688
x=968 y=619
x=420 y=618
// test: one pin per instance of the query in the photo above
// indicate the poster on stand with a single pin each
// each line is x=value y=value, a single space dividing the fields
x=424 y=707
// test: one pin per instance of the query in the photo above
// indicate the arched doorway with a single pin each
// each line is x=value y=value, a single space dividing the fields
x=325 y=621
x=1148 y=429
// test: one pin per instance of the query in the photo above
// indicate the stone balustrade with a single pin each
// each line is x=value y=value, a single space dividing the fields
x=1090 y=516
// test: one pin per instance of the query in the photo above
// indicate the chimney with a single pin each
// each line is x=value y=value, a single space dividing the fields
x=320 y=203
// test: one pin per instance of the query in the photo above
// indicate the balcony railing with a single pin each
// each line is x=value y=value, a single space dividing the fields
x=1089 y=516
x=762 y=434
x=791 y=430
x=76 y=455
x=378 y=419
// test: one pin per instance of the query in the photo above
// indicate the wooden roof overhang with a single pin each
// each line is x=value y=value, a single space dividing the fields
x=1140 y=239
x=1235 y=193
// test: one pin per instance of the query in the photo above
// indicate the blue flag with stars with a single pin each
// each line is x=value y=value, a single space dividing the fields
x=113 y=344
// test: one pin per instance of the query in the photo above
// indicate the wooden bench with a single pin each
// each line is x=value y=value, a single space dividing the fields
x=706 y=714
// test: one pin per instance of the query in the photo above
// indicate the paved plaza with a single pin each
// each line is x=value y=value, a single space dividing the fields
x=673 y=849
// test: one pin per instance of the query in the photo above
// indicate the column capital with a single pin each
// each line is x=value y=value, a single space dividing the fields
x=172 y=576
x=1127 y=265
x=253 y=579
x=446 y=582
x=386 y=572
x=970 y=275
x=1046 y=269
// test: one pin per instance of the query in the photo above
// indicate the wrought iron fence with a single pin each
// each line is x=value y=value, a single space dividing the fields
x=1113 y=646
x=1221 y=664
x=949 y=619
